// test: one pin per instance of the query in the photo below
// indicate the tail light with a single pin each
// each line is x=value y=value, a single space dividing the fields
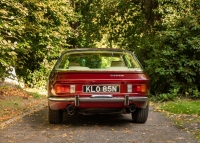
x=65 y=88
x=136 y=88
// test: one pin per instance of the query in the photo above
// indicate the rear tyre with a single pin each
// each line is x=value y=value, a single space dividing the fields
x=140 y=115
x=55 y=116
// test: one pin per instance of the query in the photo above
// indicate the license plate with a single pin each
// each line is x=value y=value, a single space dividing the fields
x=100 y=88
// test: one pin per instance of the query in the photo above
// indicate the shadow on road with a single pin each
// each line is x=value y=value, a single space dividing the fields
x=100 y=119
x=40 y=118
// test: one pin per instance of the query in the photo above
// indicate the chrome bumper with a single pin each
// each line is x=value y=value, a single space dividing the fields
x=126 y=99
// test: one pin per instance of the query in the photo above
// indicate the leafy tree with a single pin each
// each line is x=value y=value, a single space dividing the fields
x=172 y=59
x=33 y=33
x=110 y=23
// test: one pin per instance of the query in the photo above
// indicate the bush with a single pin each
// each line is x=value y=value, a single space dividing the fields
x=173 y=58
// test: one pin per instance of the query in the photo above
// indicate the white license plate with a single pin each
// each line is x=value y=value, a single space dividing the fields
x=100 y=88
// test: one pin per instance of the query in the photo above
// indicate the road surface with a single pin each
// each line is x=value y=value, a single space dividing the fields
x=116 y=128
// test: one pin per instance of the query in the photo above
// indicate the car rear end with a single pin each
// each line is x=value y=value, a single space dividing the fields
x=92 y=89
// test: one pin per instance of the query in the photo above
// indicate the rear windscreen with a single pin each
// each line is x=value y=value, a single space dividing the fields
x=98 y=60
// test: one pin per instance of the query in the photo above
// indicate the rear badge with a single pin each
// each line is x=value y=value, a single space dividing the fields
x=117 y=75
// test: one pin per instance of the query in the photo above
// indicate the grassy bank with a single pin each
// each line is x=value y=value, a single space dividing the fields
x=184 y=112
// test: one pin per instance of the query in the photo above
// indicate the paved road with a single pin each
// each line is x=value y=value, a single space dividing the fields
x=94 y=129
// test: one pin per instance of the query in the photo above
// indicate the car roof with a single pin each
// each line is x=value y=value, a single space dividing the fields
x=95 y=49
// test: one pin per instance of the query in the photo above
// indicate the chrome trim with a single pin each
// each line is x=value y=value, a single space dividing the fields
x=71 y=99
x=88 y=99
x=102 y=96
x=76 y=100
x=126 y=101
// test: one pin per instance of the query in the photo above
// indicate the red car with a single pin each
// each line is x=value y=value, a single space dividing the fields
x=98 y=81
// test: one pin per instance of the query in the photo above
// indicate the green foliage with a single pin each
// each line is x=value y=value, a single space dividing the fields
x=36 y=95
x=173 y=51
x=110 y=23
x=32 y=32
x=172 y=96
x=37 y=78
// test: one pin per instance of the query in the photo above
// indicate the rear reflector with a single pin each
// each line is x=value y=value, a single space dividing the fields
x=72 y=89
x=143 y=88
x=129 y=88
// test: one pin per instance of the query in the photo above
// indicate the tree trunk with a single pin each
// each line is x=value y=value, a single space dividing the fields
x=148 y=6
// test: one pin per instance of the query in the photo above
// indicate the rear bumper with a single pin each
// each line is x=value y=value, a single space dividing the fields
x=86 y=99
x=56 y=103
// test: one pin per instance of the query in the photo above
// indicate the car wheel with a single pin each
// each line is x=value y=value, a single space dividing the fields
x=140 y=115
x=55 y=116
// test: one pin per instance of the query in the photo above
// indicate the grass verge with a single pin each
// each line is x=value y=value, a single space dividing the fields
x=184 y=112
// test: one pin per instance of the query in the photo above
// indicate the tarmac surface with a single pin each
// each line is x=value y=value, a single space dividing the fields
x=116 y=128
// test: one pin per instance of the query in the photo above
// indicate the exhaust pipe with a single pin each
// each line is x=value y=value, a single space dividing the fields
x=132 y=108
x=70 y=109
